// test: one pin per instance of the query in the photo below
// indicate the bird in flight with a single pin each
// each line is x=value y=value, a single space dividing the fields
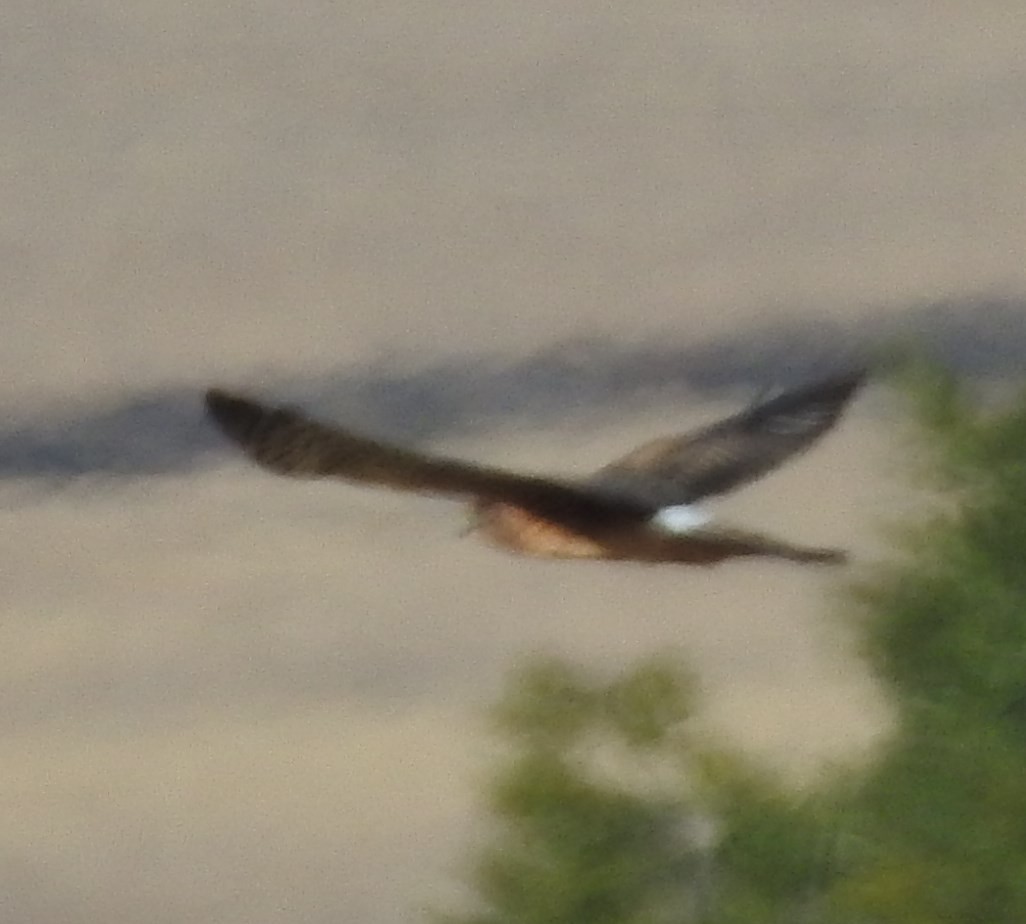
x=641 y=507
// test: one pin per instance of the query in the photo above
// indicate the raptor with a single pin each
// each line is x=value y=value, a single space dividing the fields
x=641 y=507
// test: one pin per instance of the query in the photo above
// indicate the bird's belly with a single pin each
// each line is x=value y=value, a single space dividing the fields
x=520 y=530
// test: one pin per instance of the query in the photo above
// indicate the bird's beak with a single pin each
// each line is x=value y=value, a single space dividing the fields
x=473 y=522
x=469 y=525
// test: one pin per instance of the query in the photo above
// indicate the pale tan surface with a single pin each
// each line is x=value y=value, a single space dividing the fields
x=236 y=699
x=228 y=185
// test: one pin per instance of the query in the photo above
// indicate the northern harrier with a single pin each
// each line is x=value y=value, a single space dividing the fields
x=638 y=508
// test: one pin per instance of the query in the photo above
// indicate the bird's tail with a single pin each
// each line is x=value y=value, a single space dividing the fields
x=761 y=544
x=718 y=544
x=818 y=556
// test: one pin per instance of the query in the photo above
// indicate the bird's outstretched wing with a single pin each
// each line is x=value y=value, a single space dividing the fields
x=722 y=456
x=286 y=441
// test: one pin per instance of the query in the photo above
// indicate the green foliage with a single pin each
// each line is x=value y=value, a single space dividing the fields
x=966 y=451
x=776 y=856
x=611 y=809
x=594 y=804
x=947 y=628
x=942 y=817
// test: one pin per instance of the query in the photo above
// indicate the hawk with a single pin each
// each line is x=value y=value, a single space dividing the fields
x=641 y=507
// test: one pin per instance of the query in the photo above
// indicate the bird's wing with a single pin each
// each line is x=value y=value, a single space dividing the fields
x=287 y=442
x=725 y=455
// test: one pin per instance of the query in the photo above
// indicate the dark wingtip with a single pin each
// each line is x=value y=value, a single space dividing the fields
x=826 y=557
x=836 y=389
x=235 y=415
x=846 y=383
x=219 y=401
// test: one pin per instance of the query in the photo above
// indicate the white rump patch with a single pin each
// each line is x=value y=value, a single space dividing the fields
x=682 y=518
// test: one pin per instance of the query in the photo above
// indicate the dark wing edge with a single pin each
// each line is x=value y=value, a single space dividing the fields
x=287 y=442
x=724 y=455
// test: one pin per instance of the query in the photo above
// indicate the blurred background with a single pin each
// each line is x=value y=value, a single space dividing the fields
x=526 y=233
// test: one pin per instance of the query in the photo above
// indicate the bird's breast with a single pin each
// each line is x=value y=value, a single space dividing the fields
x=518 y=529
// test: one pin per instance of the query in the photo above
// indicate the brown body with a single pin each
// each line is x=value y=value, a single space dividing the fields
x=518 y=530
x=613 y=515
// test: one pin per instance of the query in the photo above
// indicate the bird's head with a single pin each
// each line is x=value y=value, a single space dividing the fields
x=484 y=516
x=477 y=518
